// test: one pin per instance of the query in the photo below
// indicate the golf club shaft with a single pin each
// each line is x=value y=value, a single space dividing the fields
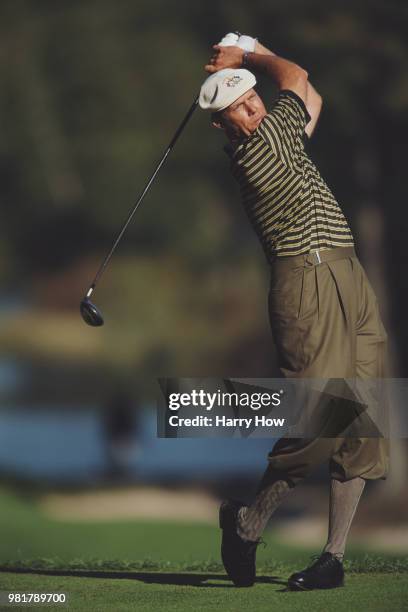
x=142 y=195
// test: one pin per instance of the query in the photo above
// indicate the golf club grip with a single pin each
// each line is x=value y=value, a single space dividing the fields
x=142 y=195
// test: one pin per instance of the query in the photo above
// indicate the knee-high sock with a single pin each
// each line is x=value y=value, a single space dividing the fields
x=344 y=498
x=252 y=519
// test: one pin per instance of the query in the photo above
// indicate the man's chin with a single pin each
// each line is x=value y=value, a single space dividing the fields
x=255 y=125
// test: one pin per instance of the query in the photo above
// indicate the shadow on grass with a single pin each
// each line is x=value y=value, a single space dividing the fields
x=182 y=579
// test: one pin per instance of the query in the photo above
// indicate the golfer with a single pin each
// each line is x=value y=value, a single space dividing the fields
x=323 y=312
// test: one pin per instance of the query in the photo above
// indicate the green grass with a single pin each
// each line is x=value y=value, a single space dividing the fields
x=177 y=592
x=149 y=566
x=367 y=564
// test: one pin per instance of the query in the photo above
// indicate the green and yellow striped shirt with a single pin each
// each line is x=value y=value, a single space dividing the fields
x=288 y=203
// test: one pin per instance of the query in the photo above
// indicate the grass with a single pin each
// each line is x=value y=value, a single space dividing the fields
x=152 y=566
x=367 y=564
x=148 y=591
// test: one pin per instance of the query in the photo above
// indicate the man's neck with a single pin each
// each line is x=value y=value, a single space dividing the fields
x=235 y=140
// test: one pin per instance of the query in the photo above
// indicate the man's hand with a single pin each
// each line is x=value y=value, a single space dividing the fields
x=224 y=57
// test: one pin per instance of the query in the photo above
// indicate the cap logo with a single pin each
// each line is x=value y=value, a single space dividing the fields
x=231 y=81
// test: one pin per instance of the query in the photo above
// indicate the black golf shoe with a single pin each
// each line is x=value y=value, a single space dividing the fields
x=238 y=555
x=325 y=573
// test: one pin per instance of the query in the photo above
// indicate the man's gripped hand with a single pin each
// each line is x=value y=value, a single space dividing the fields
x=224 y=57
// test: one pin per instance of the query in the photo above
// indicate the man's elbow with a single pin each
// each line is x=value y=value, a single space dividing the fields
x=297 y=81
x=293 y=78
x=300 y=76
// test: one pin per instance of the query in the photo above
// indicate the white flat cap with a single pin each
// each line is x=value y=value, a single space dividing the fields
x=222 y=88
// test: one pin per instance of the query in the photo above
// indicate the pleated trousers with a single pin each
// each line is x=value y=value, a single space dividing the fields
x=326 y=324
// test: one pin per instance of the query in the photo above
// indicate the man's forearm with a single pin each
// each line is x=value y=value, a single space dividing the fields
x=313 y=100
x=286 y=74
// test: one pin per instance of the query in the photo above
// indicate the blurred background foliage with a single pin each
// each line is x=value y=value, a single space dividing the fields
x=91 y=95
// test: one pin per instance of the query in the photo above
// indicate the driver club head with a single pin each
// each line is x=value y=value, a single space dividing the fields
x=90 y=314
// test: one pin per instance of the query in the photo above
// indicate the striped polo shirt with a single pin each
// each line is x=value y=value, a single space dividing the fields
x=288 y=203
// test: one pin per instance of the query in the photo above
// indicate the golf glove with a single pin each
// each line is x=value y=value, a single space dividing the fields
x=247 y=43
x=229 y=40
x=232 y=39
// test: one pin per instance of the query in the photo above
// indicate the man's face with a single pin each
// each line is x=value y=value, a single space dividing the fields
x=245 y=114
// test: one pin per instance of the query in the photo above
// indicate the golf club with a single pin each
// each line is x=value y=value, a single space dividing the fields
x=90 y=313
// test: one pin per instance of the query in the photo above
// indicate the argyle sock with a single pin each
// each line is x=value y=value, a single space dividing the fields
x=252 y=519
x=344 y=498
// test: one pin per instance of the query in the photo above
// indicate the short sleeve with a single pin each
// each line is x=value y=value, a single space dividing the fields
x=283 y=128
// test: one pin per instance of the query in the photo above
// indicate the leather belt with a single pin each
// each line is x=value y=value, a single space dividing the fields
x=315 y=257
